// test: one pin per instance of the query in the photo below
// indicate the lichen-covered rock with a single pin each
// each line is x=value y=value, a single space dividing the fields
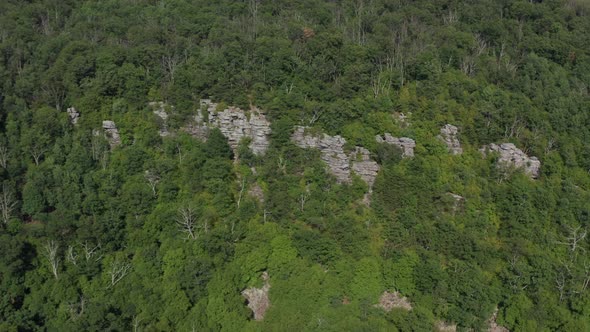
x=331 y=149
x=159 y=109
x=406 y=144
x=258 y=300
x=74 y=115
x=235 y=124
x=388 y=301
x=112 y=133
x=510 y=155
x=448 y=134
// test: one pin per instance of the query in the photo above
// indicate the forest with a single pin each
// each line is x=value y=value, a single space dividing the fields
x=335 y=203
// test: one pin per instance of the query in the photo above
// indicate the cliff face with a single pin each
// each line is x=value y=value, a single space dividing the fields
x=406 y=144
x=235 y=124
x=112 y=133
x=512 y=156
x=448 y=134
x=338 y=161
x=159 y=109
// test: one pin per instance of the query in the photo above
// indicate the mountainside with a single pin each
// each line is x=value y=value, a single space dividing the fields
x=274 y=165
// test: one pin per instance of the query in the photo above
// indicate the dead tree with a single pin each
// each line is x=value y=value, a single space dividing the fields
x=253 y=8
x=91 y=251
x=71 y=255
x=118 y=271
x=3 y=156
x=7 y=203
x=187 y=220
x=50 y=251
x=560 y=285
x=153 y=179
x=242 y=187
x=576 y=235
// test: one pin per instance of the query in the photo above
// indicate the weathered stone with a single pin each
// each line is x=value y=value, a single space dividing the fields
x=338 y=161
x=364 y=166
x=406 y=144
x=448 y=134
x=258 y=300
x=74 y=115
x=510 y=155
x=112 y=133
x=159 y=109
x=331 y=149
x=235 y=124
x=388 y=301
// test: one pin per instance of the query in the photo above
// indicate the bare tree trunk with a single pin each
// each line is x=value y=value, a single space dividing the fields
x=51 y=248
x=153 y=179
x=3 y=156
x=187 y=222
x=118 y=271
x=7 y=203
x=253 y=7
x=241 y=191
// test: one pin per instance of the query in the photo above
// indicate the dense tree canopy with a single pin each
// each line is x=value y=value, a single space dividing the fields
x=159 y=234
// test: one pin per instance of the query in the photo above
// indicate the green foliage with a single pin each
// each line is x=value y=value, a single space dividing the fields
x=454 y=234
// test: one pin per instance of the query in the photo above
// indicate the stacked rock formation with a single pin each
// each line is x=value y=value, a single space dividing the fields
x=235 y=124
x=159 y=109
x=112 y=133
x=74 y=115
x=338 y=161
x=448 y=134
x=510 y=155
x=406 y=144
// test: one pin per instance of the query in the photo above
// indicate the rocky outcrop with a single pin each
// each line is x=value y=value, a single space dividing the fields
x=235 y=124
x=159 y=109
x=74 y=115
x=406 y=144
x=388 y=301
x=331 y=149
x=448 y=134
x=340 y=163
x=364 y=166
x=512 y=156
x=258 y=300
x=112 y=133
